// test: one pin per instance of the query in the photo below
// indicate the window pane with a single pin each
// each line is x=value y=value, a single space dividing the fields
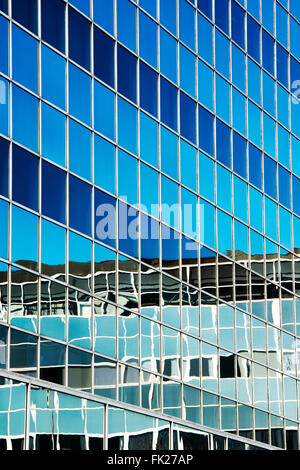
x=25 y=131
x=104 y=14
x=126 y=23
x=79 y=39
x=168 y=98
x=104 y=164
x=103 y=57
x=53 y=77
x=79 y=150
x=187 y=117
x=25 y=178
x=104 y=109
x=53 y=202
x=148 y=89
x=148 y=39
x=53 y=23
x=24 y=59
x=4 y=154
x=221 y=15
x=126 y=73
x=4 y=45
x=53 y=134
x=80 y=94
x=24 y=254
x=79 y=205
x=25 y=12
x=206 y=130
x=253 y=36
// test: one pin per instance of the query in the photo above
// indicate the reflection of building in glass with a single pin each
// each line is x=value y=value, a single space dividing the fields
x=189 y=338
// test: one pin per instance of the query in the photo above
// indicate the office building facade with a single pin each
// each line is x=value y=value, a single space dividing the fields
x=149 y=238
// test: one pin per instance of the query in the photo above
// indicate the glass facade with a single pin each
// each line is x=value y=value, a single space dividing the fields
x=150 y=224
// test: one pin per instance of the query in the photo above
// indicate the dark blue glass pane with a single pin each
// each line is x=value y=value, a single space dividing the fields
x=221 y=15
x=296 y=195
x=253 y=42
x=206 y=130
x=103 y=57
x=187 y=117
x=4 y=149
x=206 y=7
x=169 y=244
x=53 y=199
x=284 y=186
x=268 y=52
x=270 y=177
x=282 y=65
x=148 y=89
x=149 y=238
x=237 y=24
x=25 y=12
x=168 y=103
x=126 y=73
x=4 y=45
x=79 y=205
x=295 y=71
x=4 y=6
x=25 y=178
x=255 y=176
x=223 y=143
x=128 y=229
x=105 y=218
x=79 y=39
x=53 y=23
x=239 y=155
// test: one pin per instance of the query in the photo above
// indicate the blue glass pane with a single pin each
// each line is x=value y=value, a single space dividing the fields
x=4 y=102
x=25 y=178
x=254 y=123
x=148 y=39
x=168 y=103
x=239 y=155
x=24 y=59
x=82 y=5
x=205 y=39
x=206 y=177
x=268 y=52
x=23 y=253
x=187 y=70
x=4 y=152
x=104 y=110
x=169 y=197
x=4 y=45
x=25 y=131
x=224 y=233
x=104 y=164
x=206 y=7
x=222 y=98
x=206 y=130
x=169 y=152
x=126 y=23
x=205 y=85
x=237 y=24
x=53 y=77
x=4 y=6
x=284 y=186
x=79 y=205
x=282 y=65
x=25 y=13
x=281 y=25
x=127 y=125
x=253 y=35
x=188 y=165
x=53 y=23
x=238 y=111
x=238 y=67
x=127 y=171
x=223 y=143
x=79 y=94
x=268 y=94
x=148 y=89
x=187 y=117
x=270 y=218
x=296 y=195
x=150 y=6
x=270 y=177
x=53 y=134
x=149 y=189
x=207 y=230
x=222 y=53
x=103 y=57
x=168 y=14
x=79 y=150
x=254 y=81
x=126 y=73
x=53 y=249
x=224 y=188
x=168 y=56
x=127 y=229
x=4 y=229
x=255 y=168
x=187 y=24
x=79 y=39
x=221 y=15
x=53 y=202
x=103 y=12
x=105 y=218
x=149 y=239
x=148 y=139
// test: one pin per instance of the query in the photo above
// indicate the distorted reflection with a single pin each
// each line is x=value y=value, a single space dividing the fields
x=13 y=407
x=24 y=299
